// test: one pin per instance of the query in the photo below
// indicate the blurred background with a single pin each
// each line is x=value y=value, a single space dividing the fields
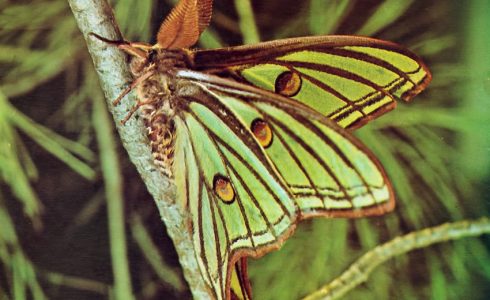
x=54 y=225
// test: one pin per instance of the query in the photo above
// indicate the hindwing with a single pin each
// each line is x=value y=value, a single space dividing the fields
x=311 y=166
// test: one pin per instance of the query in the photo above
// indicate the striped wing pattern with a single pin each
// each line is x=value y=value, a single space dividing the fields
x=263 y=212
x=240 y=288
x=348 y=79
x=312 y=167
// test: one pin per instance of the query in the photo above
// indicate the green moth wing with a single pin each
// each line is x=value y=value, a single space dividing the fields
x=240 y=288
x=349 y=79
x=213 y=160
x=241 y=198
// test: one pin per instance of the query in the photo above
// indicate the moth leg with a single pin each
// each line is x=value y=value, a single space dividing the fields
x=133 y=84
x=132 y=111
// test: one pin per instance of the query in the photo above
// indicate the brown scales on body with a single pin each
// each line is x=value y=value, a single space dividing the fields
x=154 y=71
x=155 y=94
x=161 y=132
x=157 y=111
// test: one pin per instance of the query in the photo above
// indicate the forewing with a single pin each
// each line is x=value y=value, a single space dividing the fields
x=348 y=79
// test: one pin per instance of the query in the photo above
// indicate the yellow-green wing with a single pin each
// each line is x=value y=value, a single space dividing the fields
x=212 y=145
x=240 y=288
x=311 y=167
x=328 y=171
x=348 y=79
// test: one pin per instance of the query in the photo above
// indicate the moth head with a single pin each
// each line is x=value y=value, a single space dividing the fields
x=141 y=56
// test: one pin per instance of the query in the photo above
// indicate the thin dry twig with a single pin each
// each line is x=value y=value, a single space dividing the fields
x=359 y=271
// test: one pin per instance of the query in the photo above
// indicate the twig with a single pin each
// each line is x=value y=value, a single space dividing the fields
x=96 y=16
x=359 y=271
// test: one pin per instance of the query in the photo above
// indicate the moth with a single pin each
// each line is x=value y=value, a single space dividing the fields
x=256 y=138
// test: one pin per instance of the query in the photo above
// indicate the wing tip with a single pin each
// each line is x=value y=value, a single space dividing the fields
x=421 y=85
x=410 y=94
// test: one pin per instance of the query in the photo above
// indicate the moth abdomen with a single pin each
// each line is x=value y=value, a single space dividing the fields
x=161 y=133
x=157 y=115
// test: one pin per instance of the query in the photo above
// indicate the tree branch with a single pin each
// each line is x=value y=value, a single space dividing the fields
x=359 y=271
x=96 y=16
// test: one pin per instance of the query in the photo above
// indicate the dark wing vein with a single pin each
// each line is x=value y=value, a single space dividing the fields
x=214 y=138
x=371 y=59
x=201 y=234
x=334 y=71
x=297 y=160
x=255 y=202
x=203 y=183
x=224 y=163
x=249 y=166
x=216 y=238
x=313 y=153
x=339 y=152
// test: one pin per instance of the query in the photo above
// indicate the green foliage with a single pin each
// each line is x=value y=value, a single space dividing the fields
x=435 y=150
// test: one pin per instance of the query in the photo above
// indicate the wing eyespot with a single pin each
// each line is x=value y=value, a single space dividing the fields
x=223 y=189
x=288 y=83
x=262 y=132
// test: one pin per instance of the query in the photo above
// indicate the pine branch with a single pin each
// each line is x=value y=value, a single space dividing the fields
x=246 y=18
x=96 y=16
x=359 y=271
